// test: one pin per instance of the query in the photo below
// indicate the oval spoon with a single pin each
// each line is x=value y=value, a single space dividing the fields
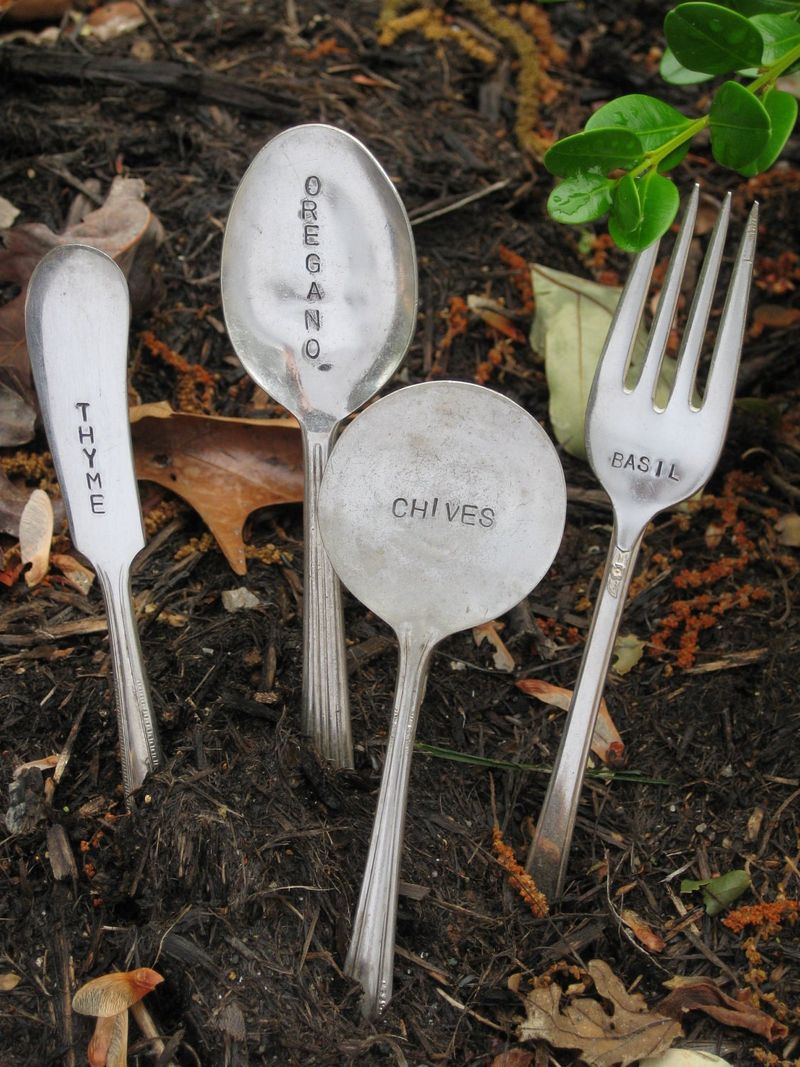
x=76 y=320
x=442 y=506
x=319 y=289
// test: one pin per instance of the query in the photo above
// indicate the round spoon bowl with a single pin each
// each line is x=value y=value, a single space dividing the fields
x=442 y=506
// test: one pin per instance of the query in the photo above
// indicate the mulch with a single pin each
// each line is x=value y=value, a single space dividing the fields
x=237 y=873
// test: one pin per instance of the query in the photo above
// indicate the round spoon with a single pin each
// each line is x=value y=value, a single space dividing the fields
x=319 y=288
x=441 y=507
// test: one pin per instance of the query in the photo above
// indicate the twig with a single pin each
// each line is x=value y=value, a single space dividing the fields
x=495 y=187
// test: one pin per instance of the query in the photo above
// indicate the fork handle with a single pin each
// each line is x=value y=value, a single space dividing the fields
x=140 y=750
x=549 y=851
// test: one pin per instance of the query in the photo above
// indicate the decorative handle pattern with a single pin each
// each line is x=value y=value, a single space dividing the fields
x=140 y=749
x=326 y=706
x=549 y=851
x=370 y=959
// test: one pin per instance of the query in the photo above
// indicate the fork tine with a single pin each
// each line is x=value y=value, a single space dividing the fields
x=668 y=301
x=692 y=345
x=625 y=323
x=727 y=349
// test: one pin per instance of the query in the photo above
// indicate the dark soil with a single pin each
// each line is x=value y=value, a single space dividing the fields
x=237 y=874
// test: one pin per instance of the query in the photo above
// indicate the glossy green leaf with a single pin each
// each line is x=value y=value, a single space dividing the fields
x=739 y=126
x=712 y=39
x=601 y=150
x=749 y=8
x=581 y=198
x=653 y=122
x=782 y=110
x=676 y=74
x=780 y=35
x=642 y=210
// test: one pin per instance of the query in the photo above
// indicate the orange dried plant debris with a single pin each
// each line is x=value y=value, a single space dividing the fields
x=520 y=276
x=196 y=386
x=29 y=465
x=499 y=354
x=768 y=916
x=701 y=612
x=518 y=877
x=267 y=554
x=457 y=316
x=558 y=630
x=327 y=47
x=204 y=543
x=156 y=518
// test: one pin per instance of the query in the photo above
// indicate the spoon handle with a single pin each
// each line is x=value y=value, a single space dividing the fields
x=326 y=706
x=139 y=746
x=370 y=959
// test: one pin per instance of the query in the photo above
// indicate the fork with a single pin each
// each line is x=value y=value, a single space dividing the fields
x=647 y=459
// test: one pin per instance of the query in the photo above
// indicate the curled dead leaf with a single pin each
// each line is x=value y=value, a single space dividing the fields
x=628 y=1033
x=642 y=931
x=607 y=744
x=9 y=981
x=78 y=576
x=702 y=994
x=36 y=536
x=223 y=468
x=113 y=993
x=113 y=20
x=490 y=631
x=123 y=227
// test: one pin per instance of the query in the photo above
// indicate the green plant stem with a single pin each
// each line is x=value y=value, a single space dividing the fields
x=765 y=79
x=771 y=74
x=652 y=159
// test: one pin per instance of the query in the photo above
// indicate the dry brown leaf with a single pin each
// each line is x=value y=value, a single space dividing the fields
x=652 y=941
x=631 y=1032
x=113 y=20
x=9 y=981
x=489 y=631
x=113 y=993
x=607 y=744
x=223 y=468
x=123 y=227
x=46 y=763
x=33 y=10
x=702 y=994
x=775 y=316
x=787 y=527
x=36 y=536
x=514 y=1057
x=78 y=576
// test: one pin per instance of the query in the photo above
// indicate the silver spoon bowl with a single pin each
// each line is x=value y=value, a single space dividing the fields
x=442 y=506
x=319 y=288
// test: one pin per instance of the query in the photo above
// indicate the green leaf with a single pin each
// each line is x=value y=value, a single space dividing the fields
x=643 y=209
x=712 y=39
x=594 y=151
x=719 y=892
x=739 y=126
x=581 y=198
x=653 y=122
x=780 y=35
x=782 y=110
x=676 y=74
x=759 y=7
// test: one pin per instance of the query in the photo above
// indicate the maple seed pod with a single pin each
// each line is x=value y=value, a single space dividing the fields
x=109 y=1044
x=111 y=994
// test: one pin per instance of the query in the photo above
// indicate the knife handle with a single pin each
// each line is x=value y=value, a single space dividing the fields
x=140 y=750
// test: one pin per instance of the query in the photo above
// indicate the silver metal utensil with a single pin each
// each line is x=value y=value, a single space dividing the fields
x=441 y=507
x=646 y=459
x=76 y=319
x=319 y=288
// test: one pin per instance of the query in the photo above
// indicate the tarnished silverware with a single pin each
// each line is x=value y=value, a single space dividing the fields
x=647 y=459
x=76 y=319
x=319 y=287
x=441 y=507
